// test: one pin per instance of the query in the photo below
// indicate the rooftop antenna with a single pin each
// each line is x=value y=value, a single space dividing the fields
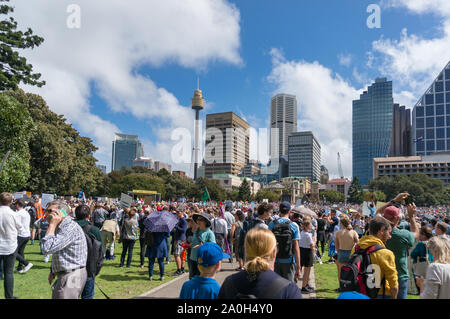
x=198 y=83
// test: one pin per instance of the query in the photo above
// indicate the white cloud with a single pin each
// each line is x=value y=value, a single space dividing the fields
x=325 y=106
x=345 y=59
x=414 y=61
x=115 y=39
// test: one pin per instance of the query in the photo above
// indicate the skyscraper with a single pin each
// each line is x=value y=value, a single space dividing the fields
x=283 y=116
x=401 y=132
x=431 y=117
x=372 y=120
x=125 y=149
x=227 y=144
x=304 y=156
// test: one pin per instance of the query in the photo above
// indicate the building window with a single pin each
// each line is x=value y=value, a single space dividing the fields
x=419 y=111
x=420 y=123
x=420 y=146
x=430 y=134
x=440 y=121
x=430 y=145
x=439 y=87
x=439 y=98
x=420 y=133
x=429 y=99
x=447 y=74
x=430 y=122
x=430 y=110
x=440 y=109
x=440 y=133
x=440 y=145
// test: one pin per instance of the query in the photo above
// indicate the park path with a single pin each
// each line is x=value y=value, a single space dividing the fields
x=171 y=289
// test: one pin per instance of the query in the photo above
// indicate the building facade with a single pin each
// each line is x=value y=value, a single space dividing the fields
x=431 y=117
x=435 y=166
x=160 y=165
x=252 y=168
x=304 y=155
x=230 y=182
x=227 y=144
x=372 y=120
x=401 y=132
x=283 y=116
x=341 y=185
x=179 y=173
x=125 y=148
x=142 y=161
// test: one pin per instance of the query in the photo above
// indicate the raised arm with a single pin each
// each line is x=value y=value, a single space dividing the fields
x=397 y=199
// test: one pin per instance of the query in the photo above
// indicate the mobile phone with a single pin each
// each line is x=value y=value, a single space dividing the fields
x=409 y=200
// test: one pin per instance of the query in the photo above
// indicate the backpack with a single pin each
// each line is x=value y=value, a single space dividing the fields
x=95 y=257
x=149 y=238
x=355 y=275
x=248 y=224
x=284 y=235
x=33 y=215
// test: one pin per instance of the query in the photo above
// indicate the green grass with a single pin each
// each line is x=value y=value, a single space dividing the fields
x=327 y=280
x=117 y=283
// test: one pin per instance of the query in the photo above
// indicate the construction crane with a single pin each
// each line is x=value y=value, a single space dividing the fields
x=340 y=165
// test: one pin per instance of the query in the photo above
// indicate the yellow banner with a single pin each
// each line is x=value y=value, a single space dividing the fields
x=137 y=191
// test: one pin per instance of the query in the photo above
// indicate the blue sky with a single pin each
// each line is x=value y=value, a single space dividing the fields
x=322 y=51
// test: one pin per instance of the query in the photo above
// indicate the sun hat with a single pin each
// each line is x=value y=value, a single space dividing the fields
x=205 y=216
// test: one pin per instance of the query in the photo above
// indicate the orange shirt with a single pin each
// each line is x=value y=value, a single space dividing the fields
x=39 y=210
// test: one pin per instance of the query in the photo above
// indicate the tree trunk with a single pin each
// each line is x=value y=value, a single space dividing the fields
x=5 y=158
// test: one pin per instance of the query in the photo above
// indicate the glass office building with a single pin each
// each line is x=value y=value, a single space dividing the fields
x=125 y=149
x=372 y=120
x=431 y=117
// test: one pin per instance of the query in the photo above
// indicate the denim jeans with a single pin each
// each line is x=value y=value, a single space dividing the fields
x=402 y=289
x=8 y=274
x=151 y=263
x=89 y=289
x=128 y=245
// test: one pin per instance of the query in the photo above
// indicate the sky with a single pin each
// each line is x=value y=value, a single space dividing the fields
x=132 y=66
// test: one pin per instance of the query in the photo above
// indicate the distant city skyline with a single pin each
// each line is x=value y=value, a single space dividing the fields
x=142 y=84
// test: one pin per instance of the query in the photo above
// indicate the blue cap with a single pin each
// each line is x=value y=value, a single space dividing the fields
x=352 y=295
x=285 y=207
x=210 y=254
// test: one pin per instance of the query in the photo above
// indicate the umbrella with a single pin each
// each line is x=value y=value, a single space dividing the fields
x=160 y=222
x=305 y=211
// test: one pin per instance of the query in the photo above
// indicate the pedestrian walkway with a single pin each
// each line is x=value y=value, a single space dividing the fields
x=171 y=289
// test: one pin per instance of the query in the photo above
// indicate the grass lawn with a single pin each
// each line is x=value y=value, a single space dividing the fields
x=117 y=283
x=327 y=281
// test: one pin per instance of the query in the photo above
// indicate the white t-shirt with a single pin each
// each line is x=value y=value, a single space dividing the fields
x=306 y=240
x=10 y=226
x=25 y=221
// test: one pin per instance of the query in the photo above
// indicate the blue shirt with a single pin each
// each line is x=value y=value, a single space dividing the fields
x=200 y=288
x=296 y=236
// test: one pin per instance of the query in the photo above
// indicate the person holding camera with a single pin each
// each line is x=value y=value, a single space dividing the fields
x=402 y=239
x=66 y=241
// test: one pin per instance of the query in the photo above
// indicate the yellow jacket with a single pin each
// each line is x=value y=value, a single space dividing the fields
x=385 y=259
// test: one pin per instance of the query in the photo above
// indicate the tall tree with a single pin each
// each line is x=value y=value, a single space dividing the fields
x=245 y=194
x=355 y=192
x=16 y=127
x=14 y=68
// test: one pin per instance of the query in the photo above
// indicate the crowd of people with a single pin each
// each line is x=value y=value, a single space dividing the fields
x=274 y=246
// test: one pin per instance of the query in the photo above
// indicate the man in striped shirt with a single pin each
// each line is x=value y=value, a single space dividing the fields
x=66 y=241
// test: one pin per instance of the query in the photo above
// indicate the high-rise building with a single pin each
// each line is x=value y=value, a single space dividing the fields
x=250 y=169
x=324 y=176
x=125 y=149
x=142 y=161
x=103 y=168
x=304 y=156
x=283 y=116
x=401 y=132
x=227 y=144
x=372 y=127
x=160 y=165
x=431 y=117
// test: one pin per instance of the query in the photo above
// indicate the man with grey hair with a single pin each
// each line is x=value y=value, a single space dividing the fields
x=66 y=241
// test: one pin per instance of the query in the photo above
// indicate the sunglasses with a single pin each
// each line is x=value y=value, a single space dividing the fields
x=49 y=211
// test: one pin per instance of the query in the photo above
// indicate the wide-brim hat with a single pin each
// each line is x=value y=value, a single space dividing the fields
x=205 y=216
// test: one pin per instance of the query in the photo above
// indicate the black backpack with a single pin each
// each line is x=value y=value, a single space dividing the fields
x=355 y=275
x=33 y=215
x=247 y=225
x=284 y=235
x=95 y=257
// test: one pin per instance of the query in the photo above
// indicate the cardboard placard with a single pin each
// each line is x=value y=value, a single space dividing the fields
x=47 y=198
x=125 y=201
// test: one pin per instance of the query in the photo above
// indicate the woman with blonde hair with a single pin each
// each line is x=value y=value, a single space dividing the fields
x=345 y=239
x=436 y=285
x=258 y=280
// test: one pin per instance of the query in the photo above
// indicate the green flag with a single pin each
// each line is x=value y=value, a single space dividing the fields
x=205 y=195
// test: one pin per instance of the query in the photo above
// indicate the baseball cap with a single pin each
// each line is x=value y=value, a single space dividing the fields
x=285 y=207
x=391 y=212
x=210 y=254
